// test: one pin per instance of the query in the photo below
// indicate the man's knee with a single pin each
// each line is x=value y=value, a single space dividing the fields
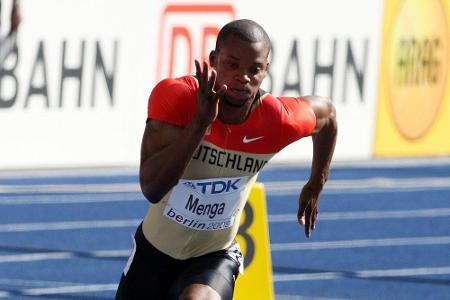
x=199 y=292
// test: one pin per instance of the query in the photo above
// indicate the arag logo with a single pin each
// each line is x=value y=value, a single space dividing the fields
x=418 y=58
x=188 y=32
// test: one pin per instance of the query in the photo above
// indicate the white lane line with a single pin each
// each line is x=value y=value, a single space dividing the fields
x=390 y=242
x=363 y=274
x=309 y=276
x=356 y=191
x=404 y=272
x=71 y=198
x=366 y=185
x=136 y=196
x=35 y=257
x=27 y=257
x=70 y=225
x=71 y=188
x=110 y=253
x=63 y=290
x=275 y=218
x=123 y=253
x=365 y=215
x=70 y=172
x=296 y=297
x=34 y=283
x=378 y=184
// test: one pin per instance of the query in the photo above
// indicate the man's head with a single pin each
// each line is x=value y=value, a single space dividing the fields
x=244 y=29
x=241 y=60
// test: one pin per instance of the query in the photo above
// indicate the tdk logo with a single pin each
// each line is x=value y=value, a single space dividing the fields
x=189 y=184
x=218 y=186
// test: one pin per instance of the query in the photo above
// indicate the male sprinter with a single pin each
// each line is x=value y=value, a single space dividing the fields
x=207 y=137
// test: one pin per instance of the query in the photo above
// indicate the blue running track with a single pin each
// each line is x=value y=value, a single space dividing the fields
x=383 y=232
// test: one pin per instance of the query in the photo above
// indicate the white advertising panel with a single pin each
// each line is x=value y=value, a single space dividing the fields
x=74 y=92
x=70 y=93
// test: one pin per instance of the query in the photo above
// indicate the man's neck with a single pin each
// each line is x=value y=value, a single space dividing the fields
x=233 y=115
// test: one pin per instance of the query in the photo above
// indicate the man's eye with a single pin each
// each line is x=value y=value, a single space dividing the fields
x=232 y=65
x=255 y=70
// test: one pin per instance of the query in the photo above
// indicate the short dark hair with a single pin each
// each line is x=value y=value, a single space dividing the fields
x=245 y=29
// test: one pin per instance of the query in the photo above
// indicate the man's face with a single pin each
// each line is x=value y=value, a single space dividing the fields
x=241 y=66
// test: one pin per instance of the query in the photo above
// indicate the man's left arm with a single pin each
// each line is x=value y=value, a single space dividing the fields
x=324 y=140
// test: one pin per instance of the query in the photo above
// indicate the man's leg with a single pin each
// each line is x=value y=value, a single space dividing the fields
x=148 y=274
x=198 y=291
x=211 y=276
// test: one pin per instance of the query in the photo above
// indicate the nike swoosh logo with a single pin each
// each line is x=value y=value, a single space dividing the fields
x=246 y=140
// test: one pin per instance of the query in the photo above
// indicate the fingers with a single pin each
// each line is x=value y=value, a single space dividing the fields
x=301 y=212
x=205 y=76
x=207 y=81
x=314 y=215
x=301 y=219
x=308 y=212
x=221 y=91
x=307 y=215
x=212 y=81
x=197 y=69
x=308 y=221
x=202 y=76
x=311 y=216
x=198 y=74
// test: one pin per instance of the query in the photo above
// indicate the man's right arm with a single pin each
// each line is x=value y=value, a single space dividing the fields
x=165 y=152
x=167 y=149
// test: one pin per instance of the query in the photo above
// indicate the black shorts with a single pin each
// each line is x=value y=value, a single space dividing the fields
x=155 y=275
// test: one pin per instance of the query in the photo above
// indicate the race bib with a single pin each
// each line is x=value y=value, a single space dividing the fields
x=205 y=204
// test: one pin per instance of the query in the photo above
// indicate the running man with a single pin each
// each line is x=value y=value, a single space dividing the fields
x=207 y=137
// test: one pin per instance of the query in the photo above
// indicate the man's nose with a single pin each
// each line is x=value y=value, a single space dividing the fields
x=243 y=77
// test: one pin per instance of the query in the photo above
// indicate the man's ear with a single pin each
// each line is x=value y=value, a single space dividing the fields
x=212 y=58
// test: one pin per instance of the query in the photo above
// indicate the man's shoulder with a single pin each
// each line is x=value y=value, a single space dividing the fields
x=185 y=83
x=285 y=105
x=270 y=101
x=284 y=101
x=269 y=98
x=173 y=100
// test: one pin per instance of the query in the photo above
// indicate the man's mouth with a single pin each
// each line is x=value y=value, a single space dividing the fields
x=239 y=93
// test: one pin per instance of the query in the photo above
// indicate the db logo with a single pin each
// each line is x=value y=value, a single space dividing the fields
x=188 y=32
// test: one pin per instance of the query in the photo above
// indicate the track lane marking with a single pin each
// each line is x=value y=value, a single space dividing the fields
x=274 y=247
x=425 y=271
x=374 y=183
x=365 y=215
x=273 y=218
x=68 y=225
x=61 y=290
x=34 y=283
x=365 y=243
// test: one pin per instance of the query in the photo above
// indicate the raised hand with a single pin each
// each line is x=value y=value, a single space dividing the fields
x=208 y=98
x=308 y=208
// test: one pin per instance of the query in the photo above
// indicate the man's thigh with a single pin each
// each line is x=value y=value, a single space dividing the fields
x=149 y=273
x=216 y=270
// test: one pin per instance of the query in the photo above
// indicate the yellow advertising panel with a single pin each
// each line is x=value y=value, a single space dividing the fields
x=253 y=237
x=413 y=115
